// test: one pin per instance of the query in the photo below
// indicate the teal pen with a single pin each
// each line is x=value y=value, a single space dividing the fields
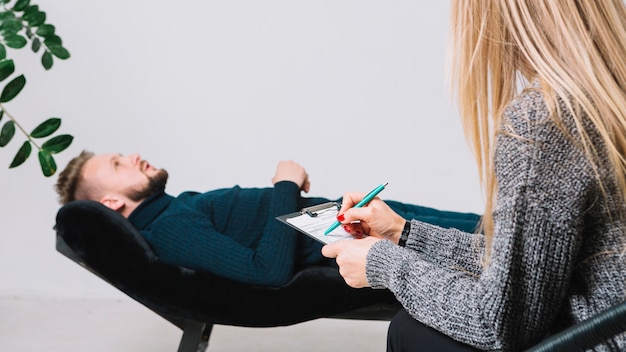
x=368 y=198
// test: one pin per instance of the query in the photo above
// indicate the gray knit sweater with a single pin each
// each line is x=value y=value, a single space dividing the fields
x=557 y=252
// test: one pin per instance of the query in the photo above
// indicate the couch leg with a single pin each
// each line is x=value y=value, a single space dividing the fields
x=195 y=337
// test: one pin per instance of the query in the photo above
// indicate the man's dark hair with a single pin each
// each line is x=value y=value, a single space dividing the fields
x=68 y=183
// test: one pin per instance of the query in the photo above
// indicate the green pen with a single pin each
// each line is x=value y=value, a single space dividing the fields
x=368 y=198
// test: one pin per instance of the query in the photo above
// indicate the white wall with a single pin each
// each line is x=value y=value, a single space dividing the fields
x=218 y=92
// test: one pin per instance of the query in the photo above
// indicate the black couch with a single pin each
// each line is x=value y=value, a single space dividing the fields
x=105 y=243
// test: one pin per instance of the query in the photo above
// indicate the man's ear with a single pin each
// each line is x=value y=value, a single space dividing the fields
x=114 y=203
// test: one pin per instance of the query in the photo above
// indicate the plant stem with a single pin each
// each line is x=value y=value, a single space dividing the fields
x=19 y=126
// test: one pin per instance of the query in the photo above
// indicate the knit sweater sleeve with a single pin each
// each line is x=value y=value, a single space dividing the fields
x=449 y=248
x=194 y=242
x=543 y=187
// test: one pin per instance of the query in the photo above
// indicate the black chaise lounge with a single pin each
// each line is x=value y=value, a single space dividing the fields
x=106 y=244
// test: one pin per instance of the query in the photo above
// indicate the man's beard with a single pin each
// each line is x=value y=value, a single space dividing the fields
x=155 y=184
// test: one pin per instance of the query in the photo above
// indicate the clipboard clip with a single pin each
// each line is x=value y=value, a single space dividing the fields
x=317 y=209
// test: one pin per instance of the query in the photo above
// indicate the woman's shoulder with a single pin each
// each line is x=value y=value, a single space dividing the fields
x=525 y=112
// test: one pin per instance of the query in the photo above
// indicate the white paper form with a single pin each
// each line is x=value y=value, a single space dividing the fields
x=316 y=225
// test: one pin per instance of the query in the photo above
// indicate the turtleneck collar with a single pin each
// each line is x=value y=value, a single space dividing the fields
x=149 y=209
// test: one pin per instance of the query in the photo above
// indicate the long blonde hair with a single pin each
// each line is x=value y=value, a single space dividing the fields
x=575 y=48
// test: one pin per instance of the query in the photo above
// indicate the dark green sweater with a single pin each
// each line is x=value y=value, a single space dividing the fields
x=234 y=233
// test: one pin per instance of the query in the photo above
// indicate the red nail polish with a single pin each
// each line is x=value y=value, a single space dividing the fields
x=340 y=217
x=359 y=234
x=346 y=228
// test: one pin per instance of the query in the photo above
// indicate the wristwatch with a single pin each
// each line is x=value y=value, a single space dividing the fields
x=405 y=234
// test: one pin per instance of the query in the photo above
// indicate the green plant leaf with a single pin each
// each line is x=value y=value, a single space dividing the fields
x=46 y=128
x=20 y=5
x=36 y=18
x=52 y=40
x=7 y=16
x=12 y=25
x=29 y=10
x=45 y=30
x=57 y=144
x=59 y=52
x=15 y=41
x=7 y=132
x=3 y=52
x=22 y=154
x=29 y=33
x=46 y=60
x=7 y=67
x=1 y=114
x=48 y=166
x=36 y=45
x=8 y=33
x=12 y=89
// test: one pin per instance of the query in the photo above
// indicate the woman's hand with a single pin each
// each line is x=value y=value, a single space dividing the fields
x=375 y=219
x=291 y=171
x=351 y=256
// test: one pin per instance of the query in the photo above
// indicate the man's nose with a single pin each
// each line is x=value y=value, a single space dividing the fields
x=135 y=158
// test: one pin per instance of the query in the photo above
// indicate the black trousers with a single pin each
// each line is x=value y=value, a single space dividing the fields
x=409 y=335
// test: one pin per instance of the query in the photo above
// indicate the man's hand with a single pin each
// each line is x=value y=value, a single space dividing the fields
x=291 y=171
x=351 y=256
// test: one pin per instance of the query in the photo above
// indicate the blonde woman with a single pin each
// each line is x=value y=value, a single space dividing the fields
x=541 y=88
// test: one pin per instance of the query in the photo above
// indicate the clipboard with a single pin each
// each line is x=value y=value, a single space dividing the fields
x=313 y=221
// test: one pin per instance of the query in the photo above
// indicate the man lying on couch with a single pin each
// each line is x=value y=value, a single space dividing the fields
x=230 y=232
